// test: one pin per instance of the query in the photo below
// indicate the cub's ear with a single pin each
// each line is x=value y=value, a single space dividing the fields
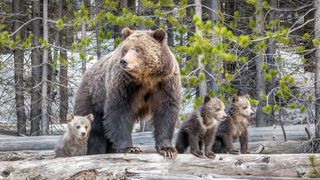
x=159 y=35
x=247 y=96
x=235 y=98
x=70 y=117
x=125 y=33
x=90 y=117
x=207 y=98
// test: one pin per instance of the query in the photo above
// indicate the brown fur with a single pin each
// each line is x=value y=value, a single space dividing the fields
x=235 y=127
x=201 y=127
x=140 y=78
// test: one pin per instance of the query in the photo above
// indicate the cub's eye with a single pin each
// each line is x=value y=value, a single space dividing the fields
x=86 y=127
x=218 y=109
x=138 y=50
x=245 y=107
x=124 y=51
x=78 y=127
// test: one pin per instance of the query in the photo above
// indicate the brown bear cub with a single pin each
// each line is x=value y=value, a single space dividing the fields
x=74 y=141
x=235 y=127
x=201 y=128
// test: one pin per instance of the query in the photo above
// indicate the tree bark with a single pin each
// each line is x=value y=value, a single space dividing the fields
x=96 y=3
x=17 y=8
x=83 y=36
x=202 y=85
x=260 y=74
x=154 y=166
x=36 y=72
x=317 y=73
x=270 y=137
x=212 y=15
x=271 y=52
x=44 y=103
x=63 y=76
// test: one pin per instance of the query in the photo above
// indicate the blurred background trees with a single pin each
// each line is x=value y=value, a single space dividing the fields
x=265 y=48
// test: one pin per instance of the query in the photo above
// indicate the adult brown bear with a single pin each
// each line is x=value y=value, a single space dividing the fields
x=141 y=77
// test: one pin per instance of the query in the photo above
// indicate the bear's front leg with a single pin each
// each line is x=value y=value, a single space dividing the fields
x=118 y=118
x=209 y=139
x=118 y=125
x=166 y=107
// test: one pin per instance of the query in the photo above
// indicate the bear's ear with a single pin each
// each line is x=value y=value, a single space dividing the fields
x=207 y=98
x=70 y=117
x=159 y=35
x=90 y=117
x=125 y=33
x=247 y=96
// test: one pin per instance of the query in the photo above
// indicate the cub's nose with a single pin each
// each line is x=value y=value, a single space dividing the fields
x=123 y=63
x=83 y=134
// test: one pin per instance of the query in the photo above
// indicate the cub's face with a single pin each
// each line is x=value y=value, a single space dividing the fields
x=141 y=53
x=79 y=126
x=215 y=108
x=243 y=105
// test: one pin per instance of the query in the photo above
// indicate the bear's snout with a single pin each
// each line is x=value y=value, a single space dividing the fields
x=123 y=63
x=224 y=117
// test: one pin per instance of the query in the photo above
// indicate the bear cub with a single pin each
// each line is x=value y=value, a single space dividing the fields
x=235 y=127
x=200 y=128
x=74 y=141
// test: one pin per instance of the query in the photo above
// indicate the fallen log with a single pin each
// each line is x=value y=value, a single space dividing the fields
x=264 y=135
x=145 y=142
x=154 y=166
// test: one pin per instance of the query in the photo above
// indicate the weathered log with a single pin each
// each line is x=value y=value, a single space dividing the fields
x=265 y=135
x=154 y=166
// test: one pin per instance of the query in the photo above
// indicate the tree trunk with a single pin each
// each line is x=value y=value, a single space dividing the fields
x=36 y=72
x=96 y=30
x=213 y=17
x=317 y=73
x=116 y=28
x=154 y=166
x=83 y=36
x=259 y=60
x=63 y=76
x=51 y=82
x=270 y=137
x=202 y=86
x=271 y=52
x=17 y=8
x=44 y=104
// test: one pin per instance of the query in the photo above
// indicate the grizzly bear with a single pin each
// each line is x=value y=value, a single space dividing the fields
x=234 y=127
x=201 y=128
x=74 y=140
x=140 y=77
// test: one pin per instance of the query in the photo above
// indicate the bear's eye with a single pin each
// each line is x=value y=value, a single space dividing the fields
x=245 y=107
x=78 y=127
x=86 y=127
x=218 y=109
x=138 y=50
x=124 y=51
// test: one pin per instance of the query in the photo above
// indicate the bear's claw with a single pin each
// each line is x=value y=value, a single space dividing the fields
x=170 y=153
x=235 y=152
x=134 y=150
x=198 y=154
x=211 y=155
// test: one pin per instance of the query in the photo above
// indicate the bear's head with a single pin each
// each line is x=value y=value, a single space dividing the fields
x=214 y=108
x=241 y=105
x=79 y=126
x=145 y=54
